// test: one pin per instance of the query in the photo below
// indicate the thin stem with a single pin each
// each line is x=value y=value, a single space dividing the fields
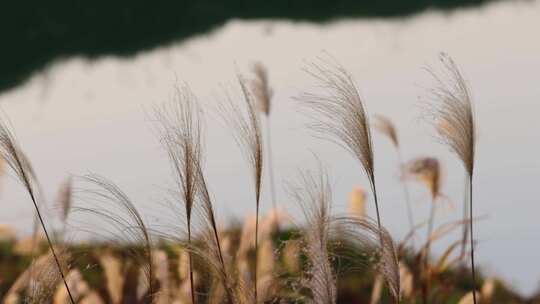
x=377 y=211
x=428 y=247
x=466 y=196
x=271 y=169
x=192 y=286
x=471 y=237
x=256 y=248
x=150 y=269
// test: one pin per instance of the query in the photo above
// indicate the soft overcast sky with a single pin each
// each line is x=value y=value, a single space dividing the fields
x=81 y=116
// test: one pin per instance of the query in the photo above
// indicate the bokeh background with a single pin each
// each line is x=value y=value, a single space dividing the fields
x=79 y=84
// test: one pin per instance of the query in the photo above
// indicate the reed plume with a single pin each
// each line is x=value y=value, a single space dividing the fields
x=249 y=139
x=260 y=87
x=115 y=215
x=341 y=117
x=12 y=154
x=181 y=136
x=385 y=126
x=313 y=194
x=453 y=118
x=64 y=202
x=263 y=93
x=427 y=171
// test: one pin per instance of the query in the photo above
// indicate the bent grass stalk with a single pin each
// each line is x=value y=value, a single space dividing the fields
x=342 y=117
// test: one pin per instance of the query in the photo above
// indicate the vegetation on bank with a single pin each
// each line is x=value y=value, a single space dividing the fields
x=324 y=258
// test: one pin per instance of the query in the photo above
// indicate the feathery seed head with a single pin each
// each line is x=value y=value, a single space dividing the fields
x=426 y=170
x=453 y=113
x=261 y=89
x=387 y=128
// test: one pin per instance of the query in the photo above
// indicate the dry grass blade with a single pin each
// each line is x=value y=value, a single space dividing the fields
x=365 y=233
x=385 y=126
x=17 y=161
x=64 y=199
x=427 y=171
x=181 y=136
x=261 y=88
x=114 y=213
x=313 y=194
x=248 y=136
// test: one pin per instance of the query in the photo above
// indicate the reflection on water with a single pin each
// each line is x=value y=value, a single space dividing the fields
x=82 y=116
x=34 y=35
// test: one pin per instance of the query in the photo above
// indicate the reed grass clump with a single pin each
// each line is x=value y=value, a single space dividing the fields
x=327 y=257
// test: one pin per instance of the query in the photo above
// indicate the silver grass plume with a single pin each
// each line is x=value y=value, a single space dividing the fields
x=64 y=201
x=453 y=118
x=249 y=138
x=263 y=93
x=115 y=216
x=385 y=126
x=452 y=114
x=260 y=87
x=181 y=136
x=17 y=161
x=313 y=194
x=341 y=116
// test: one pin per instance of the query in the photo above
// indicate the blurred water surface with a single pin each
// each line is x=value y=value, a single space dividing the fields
x=83 y=116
